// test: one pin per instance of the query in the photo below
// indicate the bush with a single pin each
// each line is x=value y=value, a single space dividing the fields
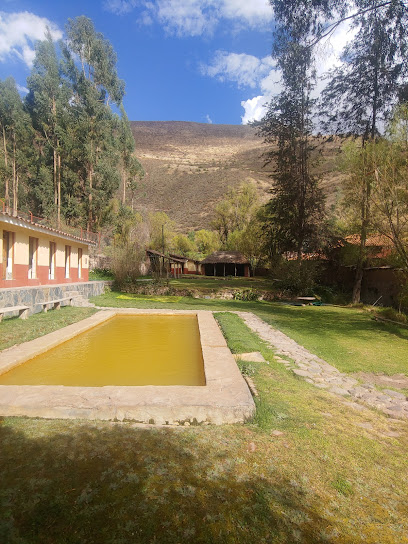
x=297 y=278
x=126 y=263
x=246 y=294
x=393 y=315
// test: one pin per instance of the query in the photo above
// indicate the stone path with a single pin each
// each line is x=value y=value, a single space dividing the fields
x=319 y=373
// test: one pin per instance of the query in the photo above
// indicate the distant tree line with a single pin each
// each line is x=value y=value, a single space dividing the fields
x=67 y=149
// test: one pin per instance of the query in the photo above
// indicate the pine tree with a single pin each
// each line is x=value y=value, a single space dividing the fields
x=297 y=204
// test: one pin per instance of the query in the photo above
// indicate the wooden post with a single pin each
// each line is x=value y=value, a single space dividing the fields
x=235 y=270
x=224 y=270
x=214 y=269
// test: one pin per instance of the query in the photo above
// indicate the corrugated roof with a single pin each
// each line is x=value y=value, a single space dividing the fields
x=225 y=257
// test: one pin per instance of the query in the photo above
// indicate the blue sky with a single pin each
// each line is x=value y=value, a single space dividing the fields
x=190 y=60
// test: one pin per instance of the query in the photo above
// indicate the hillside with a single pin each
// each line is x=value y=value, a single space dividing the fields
x=190 y=166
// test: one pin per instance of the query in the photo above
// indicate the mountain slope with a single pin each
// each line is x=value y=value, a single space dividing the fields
x=190 y=167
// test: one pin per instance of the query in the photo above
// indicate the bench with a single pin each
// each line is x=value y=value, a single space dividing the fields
x=55 y=303
x=22 y=311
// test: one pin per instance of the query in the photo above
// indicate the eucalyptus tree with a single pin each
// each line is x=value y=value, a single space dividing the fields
x=48 y=104
x=16 y=149
x=130 y=167
x=90 y=64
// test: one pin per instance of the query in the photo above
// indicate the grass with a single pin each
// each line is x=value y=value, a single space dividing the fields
x=324 y=479
x=347 y=338
x=209 y=283
x=14 y=330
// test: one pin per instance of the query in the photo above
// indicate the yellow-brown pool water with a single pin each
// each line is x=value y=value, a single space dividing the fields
x=126 y=350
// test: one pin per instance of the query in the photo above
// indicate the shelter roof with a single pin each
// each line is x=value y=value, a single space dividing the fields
x=225 y=257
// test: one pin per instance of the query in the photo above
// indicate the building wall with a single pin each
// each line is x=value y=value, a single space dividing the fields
x=20 y=256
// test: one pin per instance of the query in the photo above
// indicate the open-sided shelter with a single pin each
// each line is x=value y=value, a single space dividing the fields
x=226 y=263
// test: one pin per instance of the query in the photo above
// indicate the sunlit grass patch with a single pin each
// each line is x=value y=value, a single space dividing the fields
x=151 y=298
x=15 y=331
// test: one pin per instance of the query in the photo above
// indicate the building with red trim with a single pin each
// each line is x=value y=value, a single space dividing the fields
x=34 y=254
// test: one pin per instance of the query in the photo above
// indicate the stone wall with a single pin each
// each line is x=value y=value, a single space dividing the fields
x=32 y=296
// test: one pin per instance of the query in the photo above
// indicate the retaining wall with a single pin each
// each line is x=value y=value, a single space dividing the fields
x=32 y=296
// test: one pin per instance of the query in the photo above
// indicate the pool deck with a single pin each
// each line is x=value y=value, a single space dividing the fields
x=224 y=399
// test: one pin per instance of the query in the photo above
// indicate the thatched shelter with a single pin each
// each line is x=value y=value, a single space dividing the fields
x=226 y=263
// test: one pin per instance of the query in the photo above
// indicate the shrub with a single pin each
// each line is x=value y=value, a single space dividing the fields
x=246 y=294
x=297 y=278
x=126 y=263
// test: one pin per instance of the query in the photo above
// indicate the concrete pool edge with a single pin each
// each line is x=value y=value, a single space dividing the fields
x=224 y=399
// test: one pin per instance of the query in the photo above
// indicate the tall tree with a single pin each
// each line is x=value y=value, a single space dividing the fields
x=362 y=91
x=47 y=102
x=16 y=130
x=96 y=86
x=296 y=206
x=130 y=167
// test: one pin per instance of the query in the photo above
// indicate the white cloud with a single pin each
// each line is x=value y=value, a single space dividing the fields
x=120 y=7
x=20 y=31
x=261 y=74
x=196 y=17
x=255 y=108
x=208 y=119
x=21 y=89
x=244 y=70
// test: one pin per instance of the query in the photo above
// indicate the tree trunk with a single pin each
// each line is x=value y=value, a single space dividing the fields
x=90 y=215
x=15 y=196
x=59 y=192
x=54 y=176
x=6 y=189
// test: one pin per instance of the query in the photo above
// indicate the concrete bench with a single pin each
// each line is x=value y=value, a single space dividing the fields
x=22 y=311
x=56 y=303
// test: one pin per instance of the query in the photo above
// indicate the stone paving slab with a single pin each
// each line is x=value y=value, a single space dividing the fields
x=323 y=375
x=224 y=399
x=254 y=356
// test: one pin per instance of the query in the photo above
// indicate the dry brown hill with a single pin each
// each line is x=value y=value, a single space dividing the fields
x=190 y=166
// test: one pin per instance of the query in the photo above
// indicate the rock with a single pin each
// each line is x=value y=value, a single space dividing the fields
x=394 y=394
x=277 y=433
x=395 y=408
x=391 y=434
x=251 y=447
x=303 y=373
x=339 y=391
x=186 y=424
x=254 y=356
x=365 y=425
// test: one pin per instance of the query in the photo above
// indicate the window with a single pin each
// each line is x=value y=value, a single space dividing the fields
x=79 y=262
x=32 y=258
x=51 y=270
x=67 y=260
x=7 y=255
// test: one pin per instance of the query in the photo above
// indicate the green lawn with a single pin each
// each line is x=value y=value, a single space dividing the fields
x=334 y=475
x=208 y=283
x=346 y=337
x=15 y=331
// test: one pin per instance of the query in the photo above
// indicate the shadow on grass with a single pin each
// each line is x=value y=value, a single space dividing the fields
x=121 y=485
x=327 y=321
